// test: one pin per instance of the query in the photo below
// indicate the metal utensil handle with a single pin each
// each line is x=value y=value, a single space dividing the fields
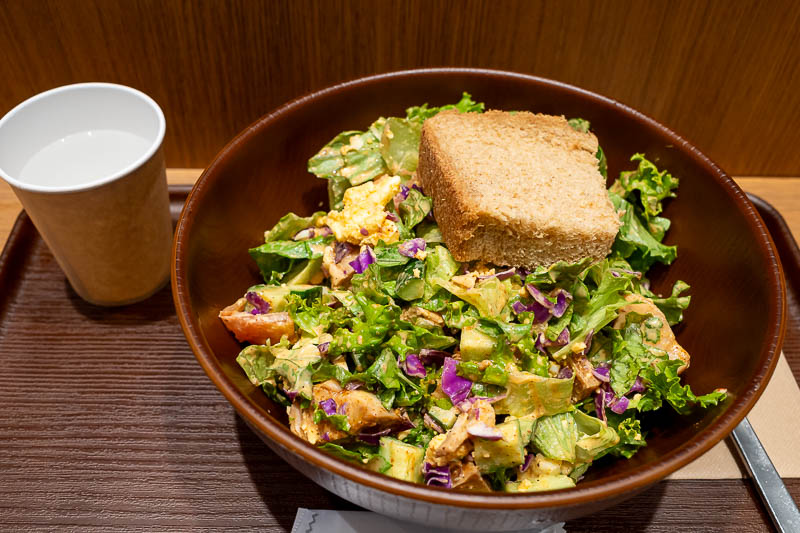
x=776 y=498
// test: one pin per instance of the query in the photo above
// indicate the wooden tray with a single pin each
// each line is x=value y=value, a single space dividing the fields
x=108 y=423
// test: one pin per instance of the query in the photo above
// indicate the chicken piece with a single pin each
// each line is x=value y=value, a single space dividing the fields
x=542 y=466
x=257 y=329
x=435 y=456
x=415 y=314
x=666 y=338
x=585 y=383
x=465 y=476
x=456 y=443
x=301 y=422
x=363 y=409
x=341 y=272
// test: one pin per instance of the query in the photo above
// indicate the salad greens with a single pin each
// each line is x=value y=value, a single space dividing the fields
x=390 y=354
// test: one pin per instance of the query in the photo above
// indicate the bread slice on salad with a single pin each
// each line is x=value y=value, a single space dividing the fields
x=515 y=189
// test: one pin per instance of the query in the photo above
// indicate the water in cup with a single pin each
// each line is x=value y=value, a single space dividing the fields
x=83 y=157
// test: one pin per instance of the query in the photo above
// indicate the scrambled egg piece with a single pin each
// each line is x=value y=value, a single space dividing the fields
x=362 y=219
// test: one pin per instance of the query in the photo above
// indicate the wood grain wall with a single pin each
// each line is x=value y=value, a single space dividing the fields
x=724 y=74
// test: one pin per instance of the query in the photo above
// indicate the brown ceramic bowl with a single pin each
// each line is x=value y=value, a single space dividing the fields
x=733 y=328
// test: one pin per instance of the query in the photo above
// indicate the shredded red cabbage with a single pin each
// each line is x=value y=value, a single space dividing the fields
x=310 y=233
x=354 y=385
x=364 y=259
x=563 y=298
x=373 y=438
x=542 y=341
x=603 y=373
x=502 y=275
x=638 y=385
x=526 y=463
x=413 y=367
x=258 y=303
x=391 y=216
x=323 y=347
x=328 y=406
x=564 y=373
x=437 y=476
x=455 y=386
x=433 y=357
x=291 y=394
x=410 y=247
x=619 y=405
x=340 y=250
x=431 y=423
x=483 y=431
x=588 y=341
x=364 y=231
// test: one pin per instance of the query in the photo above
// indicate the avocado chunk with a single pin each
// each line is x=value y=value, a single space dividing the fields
x=476 y=345
x=492 y=455
x=405 y=459
x=304 y=272
x=529 y=394
x=526 y=425
x=445 y=417
x=540 y=483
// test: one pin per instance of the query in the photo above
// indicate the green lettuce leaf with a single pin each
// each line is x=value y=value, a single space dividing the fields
x=423 y=112
x=556 y=436
x=673 y=305
x=414 y=208
x=489 y=296
x=290 y=224
x=663 y=379
x=400 y=145
x=595 y=437
x=360 y=454
x=648 y=183
x=351 y=158
x=536 y=395
x=635 y=242
x=275 y=259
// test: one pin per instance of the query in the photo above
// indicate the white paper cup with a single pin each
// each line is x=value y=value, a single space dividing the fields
x=86 y=162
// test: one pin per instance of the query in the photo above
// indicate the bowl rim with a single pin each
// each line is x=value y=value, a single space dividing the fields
x=614 y=487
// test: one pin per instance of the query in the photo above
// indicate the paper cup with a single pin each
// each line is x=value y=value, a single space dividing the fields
x=86 y=162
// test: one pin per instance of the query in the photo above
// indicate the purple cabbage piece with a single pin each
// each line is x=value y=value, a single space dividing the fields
x=588 y=341
x=413 y=367
x=410 y=247
x=310 y=233
x=364 y=259
x=539 y=296
x=564 y=373
x=563 y=298
x=526 y=463
x=638 y=385
x=502 y=275
x=540 y=312
x=328 y=406
x=364 y=231
x=619 y=405
x=354 y=385
x=600 y=405
x=342 y=409
x=455 y=386
x=373 y=438
x=258 y=303
x=399 y=197
x=616 y=274
x=326 y=437
x=323 y=348
x=431 y=423
x=392 y=217
x=603 y=373
x=291 y=394
x=437 y=476
x=483 y=431
x=543 y=342
x=417 y=187
x=433 y=357
x=340 y=250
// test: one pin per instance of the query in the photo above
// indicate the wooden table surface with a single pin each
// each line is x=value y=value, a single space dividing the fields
x=99 y=442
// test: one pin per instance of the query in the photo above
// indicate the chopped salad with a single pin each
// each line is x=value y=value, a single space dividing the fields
x=388 y=353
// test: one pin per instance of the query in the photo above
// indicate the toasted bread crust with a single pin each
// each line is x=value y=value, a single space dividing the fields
x=515 y=189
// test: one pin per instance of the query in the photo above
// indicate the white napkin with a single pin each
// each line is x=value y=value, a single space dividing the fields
x=326 y=521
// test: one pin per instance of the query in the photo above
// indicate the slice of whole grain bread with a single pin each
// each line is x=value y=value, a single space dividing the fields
x=516 y=189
